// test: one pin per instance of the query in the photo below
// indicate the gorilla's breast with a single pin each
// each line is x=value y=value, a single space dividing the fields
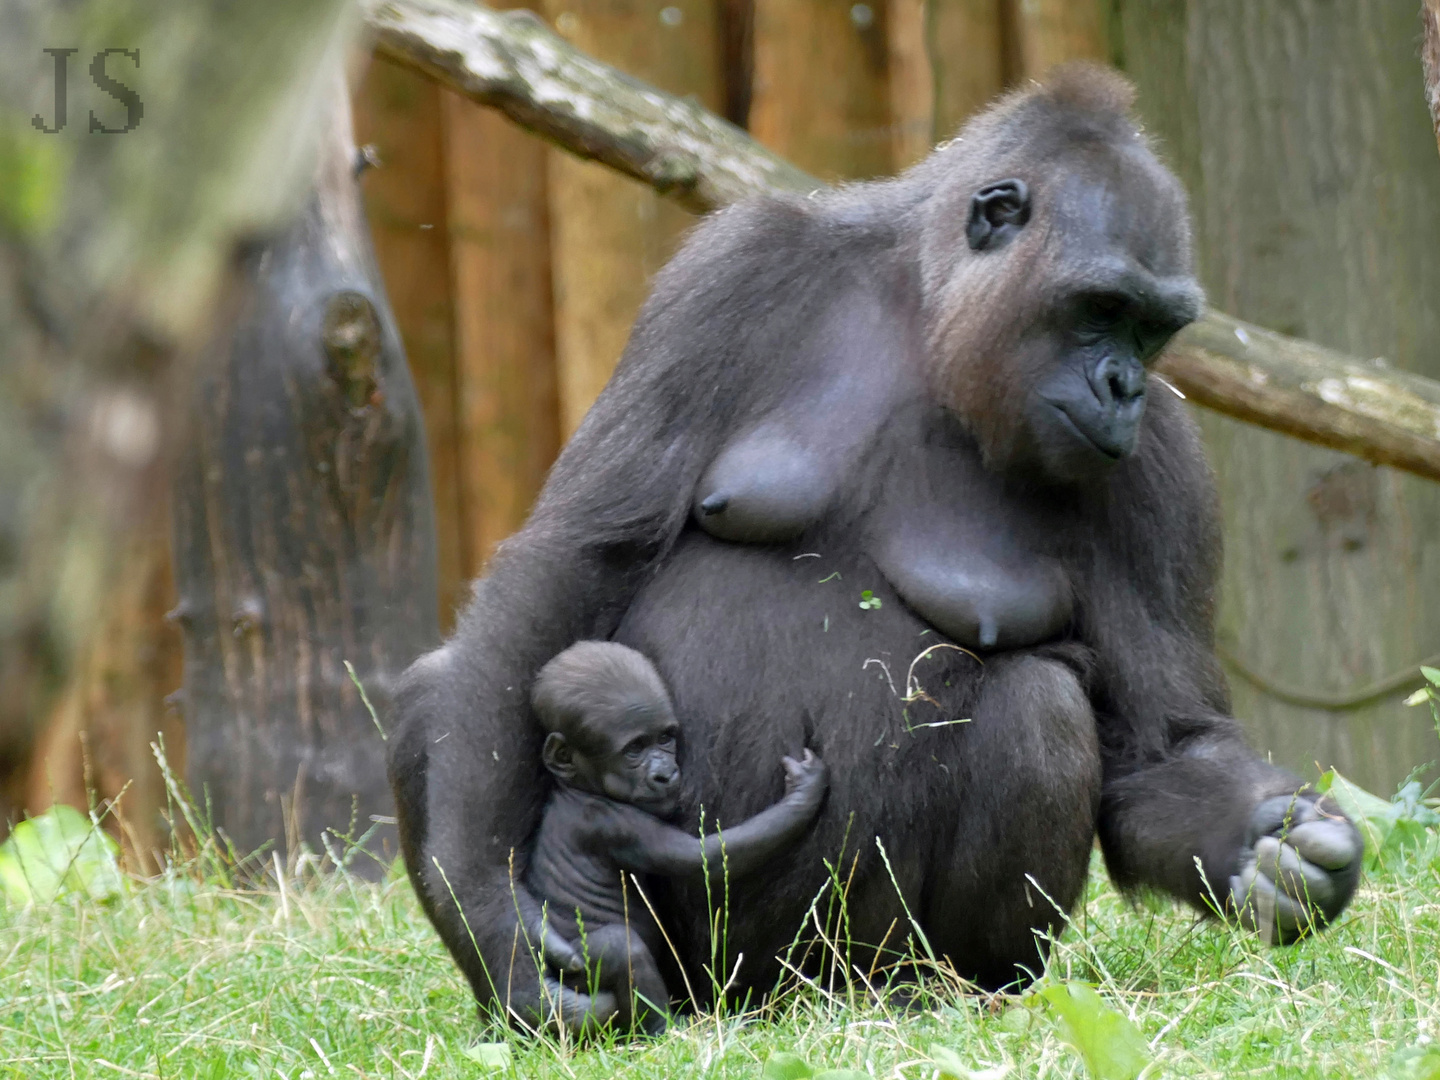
x=977 y=591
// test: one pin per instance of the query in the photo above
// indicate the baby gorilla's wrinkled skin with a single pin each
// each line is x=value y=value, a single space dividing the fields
x=611 y=746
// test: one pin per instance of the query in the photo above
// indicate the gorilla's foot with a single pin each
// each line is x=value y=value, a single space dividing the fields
x=1298 y=868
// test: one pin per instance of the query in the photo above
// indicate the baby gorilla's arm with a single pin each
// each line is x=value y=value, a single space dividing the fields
x=646 y=845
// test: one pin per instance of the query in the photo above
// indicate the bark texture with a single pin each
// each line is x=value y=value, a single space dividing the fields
x=304 y=537
x=114 y=245
x=1299 y=127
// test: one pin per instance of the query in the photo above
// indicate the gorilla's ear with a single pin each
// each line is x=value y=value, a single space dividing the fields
x=557 y=758
x=997 y=212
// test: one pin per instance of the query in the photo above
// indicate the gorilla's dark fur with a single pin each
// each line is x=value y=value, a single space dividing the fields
x=930 y=388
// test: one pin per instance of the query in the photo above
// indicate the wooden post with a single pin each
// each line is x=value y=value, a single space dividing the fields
x=609 y=235
x=1317 y=214
x=304 y=536
x=946 y=63
x=504 y=322
x=399 y=113
x=821 y=95
x=1043 y=33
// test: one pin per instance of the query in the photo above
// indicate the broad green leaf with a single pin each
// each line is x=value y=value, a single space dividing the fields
x=1388 y=828
x=1111 y=1046
x=1416 y=1063
x=58 y=852
x=492 y=1057
x=1433 y=674
x=952 y=1067
x=783 y=1065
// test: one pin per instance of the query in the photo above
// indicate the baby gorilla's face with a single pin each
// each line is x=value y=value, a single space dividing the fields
x=634 y=758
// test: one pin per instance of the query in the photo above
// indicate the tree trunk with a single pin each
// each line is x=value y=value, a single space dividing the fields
x=98 y=744
x=304 y=537
x=821 y=92
x=1300 y=130
x=609 y=235
x=114 y=245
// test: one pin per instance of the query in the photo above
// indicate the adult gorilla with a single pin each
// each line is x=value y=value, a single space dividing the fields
x=932 y=389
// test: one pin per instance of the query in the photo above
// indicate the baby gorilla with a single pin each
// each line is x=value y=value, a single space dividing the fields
x=610 y=745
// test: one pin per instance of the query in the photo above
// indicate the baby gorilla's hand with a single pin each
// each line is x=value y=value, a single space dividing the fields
x=1298 y=868
x=806 y=779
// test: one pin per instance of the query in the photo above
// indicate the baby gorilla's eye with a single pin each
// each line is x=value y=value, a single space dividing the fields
x=635 y=747
x=668 y=737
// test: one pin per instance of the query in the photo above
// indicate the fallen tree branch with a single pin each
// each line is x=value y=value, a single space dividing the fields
x=513 y=62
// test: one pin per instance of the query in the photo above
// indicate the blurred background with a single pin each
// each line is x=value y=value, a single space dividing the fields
x=514 y=270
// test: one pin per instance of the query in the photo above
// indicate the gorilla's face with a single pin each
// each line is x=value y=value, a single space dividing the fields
x=1087 y=275
x=1083 y=413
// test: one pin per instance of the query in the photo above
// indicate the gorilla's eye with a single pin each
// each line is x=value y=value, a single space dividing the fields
x=635 y=747
x=1103 y=311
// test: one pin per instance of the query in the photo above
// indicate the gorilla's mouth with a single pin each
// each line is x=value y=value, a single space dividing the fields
x=1110 y=452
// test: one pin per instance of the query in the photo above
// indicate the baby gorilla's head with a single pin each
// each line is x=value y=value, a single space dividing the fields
x=610 y=728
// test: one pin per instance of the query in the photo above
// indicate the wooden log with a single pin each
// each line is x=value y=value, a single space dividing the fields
x=398 y=112
x=820 y=95
x=538 y=80
x=609 y=235
x=513 y=62
x=505 y=388
x=304 y=537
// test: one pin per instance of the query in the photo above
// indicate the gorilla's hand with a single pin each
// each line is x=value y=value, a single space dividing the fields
x=1298 y=868
x=805 y=780
x=576 y=1013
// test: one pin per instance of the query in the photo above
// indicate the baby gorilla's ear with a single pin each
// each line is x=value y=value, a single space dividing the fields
x=557 y=757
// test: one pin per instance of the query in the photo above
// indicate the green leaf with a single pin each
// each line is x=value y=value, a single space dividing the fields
x=492 y=1057
x=783 y=1065
x=1388 y=828
x=953 y=1067
x=843 y=1074
x=1416 y=1063
x=1370 y=813
x=1111 y=1046
x=1433 y=674
x=59 y=852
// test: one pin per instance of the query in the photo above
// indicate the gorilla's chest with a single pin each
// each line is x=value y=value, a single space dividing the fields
x=972 y=558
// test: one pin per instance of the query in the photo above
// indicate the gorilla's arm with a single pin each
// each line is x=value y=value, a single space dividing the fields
x=1181 y=784
x=721 y=338
x=646 y=845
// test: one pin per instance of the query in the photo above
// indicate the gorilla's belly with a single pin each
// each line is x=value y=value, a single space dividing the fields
x=766 y=651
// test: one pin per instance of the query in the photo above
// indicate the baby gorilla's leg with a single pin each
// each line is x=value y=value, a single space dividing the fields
x=620 y=961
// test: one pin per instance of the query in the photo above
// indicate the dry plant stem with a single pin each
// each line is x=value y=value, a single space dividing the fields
x=513 y=63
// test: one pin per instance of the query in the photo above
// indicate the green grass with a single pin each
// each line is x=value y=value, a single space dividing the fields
x=334 y=977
